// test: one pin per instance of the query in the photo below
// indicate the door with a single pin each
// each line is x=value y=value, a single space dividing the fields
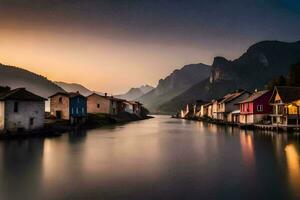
x=58 y=114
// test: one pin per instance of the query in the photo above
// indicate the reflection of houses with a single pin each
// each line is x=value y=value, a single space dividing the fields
x=230 y=104
x=20 y=110
x=286 y=102
x=69 y=106
x=255 y=108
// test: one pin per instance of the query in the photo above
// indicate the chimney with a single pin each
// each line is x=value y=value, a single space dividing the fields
x=77 y=92
x=105 y=94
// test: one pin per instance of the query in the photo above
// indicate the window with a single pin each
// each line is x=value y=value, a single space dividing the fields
x=260 y=108
x=77 y=111
x=82 y=110
x=60 y=100
x=72 y=111
x=98 y=105
x=78 y=100
x=16 y=107
x=31 y=121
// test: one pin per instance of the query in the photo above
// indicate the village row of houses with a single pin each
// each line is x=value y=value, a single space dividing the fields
x=280 y=108
x=22 y=110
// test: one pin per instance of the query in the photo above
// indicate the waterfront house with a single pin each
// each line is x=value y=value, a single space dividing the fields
x=255 y=108
x=198 y=108
x=187 y=111
x=128 y=107
x=215 y=107
x=286 y=102
x=117 y=105
x=69 y=106
x=210 y=110
x=20 y=110
x=99 y=104
x=229 y=103
x=204 y=110
x=137 y=107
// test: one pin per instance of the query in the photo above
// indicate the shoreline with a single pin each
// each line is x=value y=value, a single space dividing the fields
x=261 y=127
x=58 y=128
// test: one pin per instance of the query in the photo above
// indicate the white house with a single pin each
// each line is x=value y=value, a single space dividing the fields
x=20 y=110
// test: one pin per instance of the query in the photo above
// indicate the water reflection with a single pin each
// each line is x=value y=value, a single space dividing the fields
x=293 y=166
x=247 y=145
x=161 y=158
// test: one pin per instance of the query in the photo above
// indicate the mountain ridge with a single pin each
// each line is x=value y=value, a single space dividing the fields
x=174 y=84
x=253 y=69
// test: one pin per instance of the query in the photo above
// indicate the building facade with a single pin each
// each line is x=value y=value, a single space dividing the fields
x=230 y=104
x=286 y=106
x=69 y=106
x=255 y=108
x=20 y=110
x=98 y=104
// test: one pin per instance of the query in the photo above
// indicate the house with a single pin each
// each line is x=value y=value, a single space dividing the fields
x=204 y=110
x=20 y=110
x=255 y=108
x=99 y=104
x=229 y=103
x=69 y=106
x=210 y=110
x=188 y=111
x=215 y=107
x=286 y=102
x=117 y=105
x=128 y=107
x=198 y=107
x=137 y=107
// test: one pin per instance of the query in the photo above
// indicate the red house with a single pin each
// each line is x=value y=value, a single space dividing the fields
x=255 y=108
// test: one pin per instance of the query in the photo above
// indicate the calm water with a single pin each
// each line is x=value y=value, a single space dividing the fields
x=160 y=158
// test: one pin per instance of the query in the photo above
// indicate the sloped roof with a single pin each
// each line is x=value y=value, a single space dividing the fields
x=68 y=94
x=286 y=93
x=20 y=94
x=232 y=96
x=255 y=96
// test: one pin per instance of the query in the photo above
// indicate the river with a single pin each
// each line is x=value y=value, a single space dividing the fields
x=160 y=158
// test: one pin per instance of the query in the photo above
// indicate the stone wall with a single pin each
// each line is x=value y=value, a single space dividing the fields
x=27 y=111
x=63 y=106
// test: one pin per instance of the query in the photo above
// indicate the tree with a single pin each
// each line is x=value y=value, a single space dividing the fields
x=293 y=78
x=278 y=81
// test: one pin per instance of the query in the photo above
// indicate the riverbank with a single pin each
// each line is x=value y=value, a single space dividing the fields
x=263 y=127
x=55 y=128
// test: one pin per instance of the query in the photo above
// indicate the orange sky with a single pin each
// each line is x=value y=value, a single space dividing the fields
x=101 y=63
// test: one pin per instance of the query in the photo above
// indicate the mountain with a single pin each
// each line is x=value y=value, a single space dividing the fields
x=15 y=77
x=74 y=87
x=174 y=84
x=254 y=69
x=135 y=93
x=146 y=88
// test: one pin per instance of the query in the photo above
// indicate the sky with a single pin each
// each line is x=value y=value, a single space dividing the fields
x=113 y=45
